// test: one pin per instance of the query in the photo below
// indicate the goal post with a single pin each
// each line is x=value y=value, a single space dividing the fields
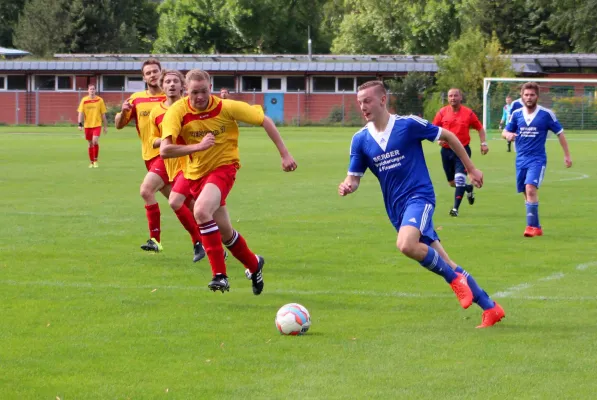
x=574 y=101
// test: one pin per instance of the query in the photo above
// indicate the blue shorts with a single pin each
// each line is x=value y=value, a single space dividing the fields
x=419 y=213
x=532 y=174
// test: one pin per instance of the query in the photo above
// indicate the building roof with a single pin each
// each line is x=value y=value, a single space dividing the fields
x=301 y=63
x=12 y=53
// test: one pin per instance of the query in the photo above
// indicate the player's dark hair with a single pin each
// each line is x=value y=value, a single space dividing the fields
x=150 y=61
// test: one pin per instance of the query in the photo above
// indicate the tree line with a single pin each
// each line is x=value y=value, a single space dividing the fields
x=46 y=27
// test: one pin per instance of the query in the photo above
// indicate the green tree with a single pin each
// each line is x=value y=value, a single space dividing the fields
x=9 y=16
x=468 y=60
x=576 y=19
x=408 y=92
x=42 y=27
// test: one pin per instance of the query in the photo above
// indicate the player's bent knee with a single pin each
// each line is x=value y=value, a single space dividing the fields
x=406 y=247
x=460 y=180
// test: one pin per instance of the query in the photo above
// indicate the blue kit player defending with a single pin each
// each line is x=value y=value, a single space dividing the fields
x=391 y=147
x=529 y=126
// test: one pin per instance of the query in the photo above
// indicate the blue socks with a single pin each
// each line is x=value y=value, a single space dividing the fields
x=434 y=263
x=479 y=295
x=533 y=214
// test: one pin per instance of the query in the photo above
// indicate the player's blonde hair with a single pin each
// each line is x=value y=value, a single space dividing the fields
x=530 y=86
x=175 y=73
x=380 y=87
x=198 y=75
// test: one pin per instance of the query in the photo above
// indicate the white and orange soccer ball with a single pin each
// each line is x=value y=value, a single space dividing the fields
x=293 y=319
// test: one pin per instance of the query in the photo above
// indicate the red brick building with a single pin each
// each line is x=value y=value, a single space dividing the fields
x=293 y=89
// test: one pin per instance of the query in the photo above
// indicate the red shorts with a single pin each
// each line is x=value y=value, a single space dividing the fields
x=156 y=165
x=91 y=132
x=223 y=177
x=181 y=185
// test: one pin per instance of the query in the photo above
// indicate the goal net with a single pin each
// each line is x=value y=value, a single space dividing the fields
x=574 y=101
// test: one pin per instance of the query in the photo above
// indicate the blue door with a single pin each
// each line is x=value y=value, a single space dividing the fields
x=274 y=106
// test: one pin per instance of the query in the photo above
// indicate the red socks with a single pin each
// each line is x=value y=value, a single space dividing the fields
x=91 y=151
x=95 y=152
x=185 y=216
x=212 y=242
x=153 y=219
x=239 y=249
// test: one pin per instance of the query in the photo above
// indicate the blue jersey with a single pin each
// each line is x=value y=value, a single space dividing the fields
x=531 y=130
x=395 y=156
x=515 y=105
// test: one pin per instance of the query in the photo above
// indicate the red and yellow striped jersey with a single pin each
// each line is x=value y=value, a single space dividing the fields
x=143 y=103
x=173 y=165
x=92 y=109
x=188 y=126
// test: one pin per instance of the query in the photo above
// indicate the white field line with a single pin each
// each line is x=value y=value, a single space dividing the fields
x=513 y=292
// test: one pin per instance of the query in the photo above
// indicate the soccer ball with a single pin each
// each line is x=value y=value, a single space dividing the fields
x=293 y=319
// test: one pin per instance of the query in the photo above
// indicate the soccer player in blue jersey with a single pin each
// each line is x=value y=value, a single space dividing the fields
x=391 y=147
x=529 y=126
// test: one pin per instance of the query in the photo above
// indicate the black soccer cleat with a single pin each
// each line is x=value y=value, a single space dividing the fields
x=257 y=277
x=152 y=245
x=470 y=196
x=199 y=252
x=453 y=212
x=219 y=282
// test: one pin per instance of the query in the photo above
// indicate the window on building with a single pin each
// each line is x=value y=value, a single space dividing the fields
x=64 y=83
x=16 y=82
x=274 y=83
x=251 y=83
x=2 y=83
x=363 y=79
x=135 y=84
x=113 y=83
x=45 y=82
x=346 y=84
x=220 y=82
x=324 y=84
x=295 y=84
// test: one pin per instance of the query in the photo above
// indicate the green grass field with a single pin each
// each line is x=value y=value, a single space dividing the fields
x=87 y=315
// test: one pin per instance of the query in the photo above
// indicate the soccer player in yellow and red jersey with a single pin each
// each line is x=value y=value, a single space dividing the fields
x=92 y=110
x=458 y=118
x=180 y=199
x=207 y=125
x=137 y=108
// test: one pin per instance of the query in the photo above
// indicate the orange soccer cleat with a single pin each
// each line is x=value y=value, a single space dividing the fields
x=462 y=290
x=492 y=316
x=532 y=231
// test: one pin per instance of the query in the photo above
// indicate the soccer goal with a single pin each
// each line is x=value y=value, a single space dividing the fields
x=573 y=100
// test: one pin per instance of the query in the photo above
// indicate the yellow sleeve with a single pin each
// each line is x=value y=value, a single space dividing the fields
x=241 y=111
x=103 y=109
x=171 y=124
x=154 y=131
x=80 y=109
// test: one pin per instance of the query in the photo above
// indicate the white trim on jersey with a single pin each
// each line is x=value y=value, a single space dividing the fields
x=382 y=138
x=547 y=110
x=528 y=118
x=354 y=173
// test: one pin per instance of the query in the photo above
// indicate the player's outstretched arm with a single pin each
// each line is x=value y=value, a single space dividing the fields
x=349 y=185
x=288 y=163
x=170 y=150
x=564 y=144
x=475 y=174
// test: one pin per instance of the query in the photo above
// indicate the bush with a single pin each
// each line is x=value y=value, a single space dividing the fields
x=576 y=112
x=111 y=110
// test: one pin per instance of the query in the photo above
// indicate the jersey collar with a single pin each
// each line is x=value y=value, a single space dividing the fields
x=382 y=138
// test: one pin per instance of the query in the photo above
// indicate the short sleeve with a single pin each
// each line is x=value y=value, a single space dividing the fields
x=512 y=125
x=421 y=129
x=80 y=108
x=172 y=124
x=554 y=124
x=475 y=123
x=358 y=160
x=244 y=112
x=437 y=120
x=103 y=109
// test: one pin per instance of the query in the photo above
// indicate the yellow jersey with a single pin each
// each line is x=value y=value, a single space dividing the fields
x=92 y=109
x=188 y=126
x=143 y=103
x=173 y=165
